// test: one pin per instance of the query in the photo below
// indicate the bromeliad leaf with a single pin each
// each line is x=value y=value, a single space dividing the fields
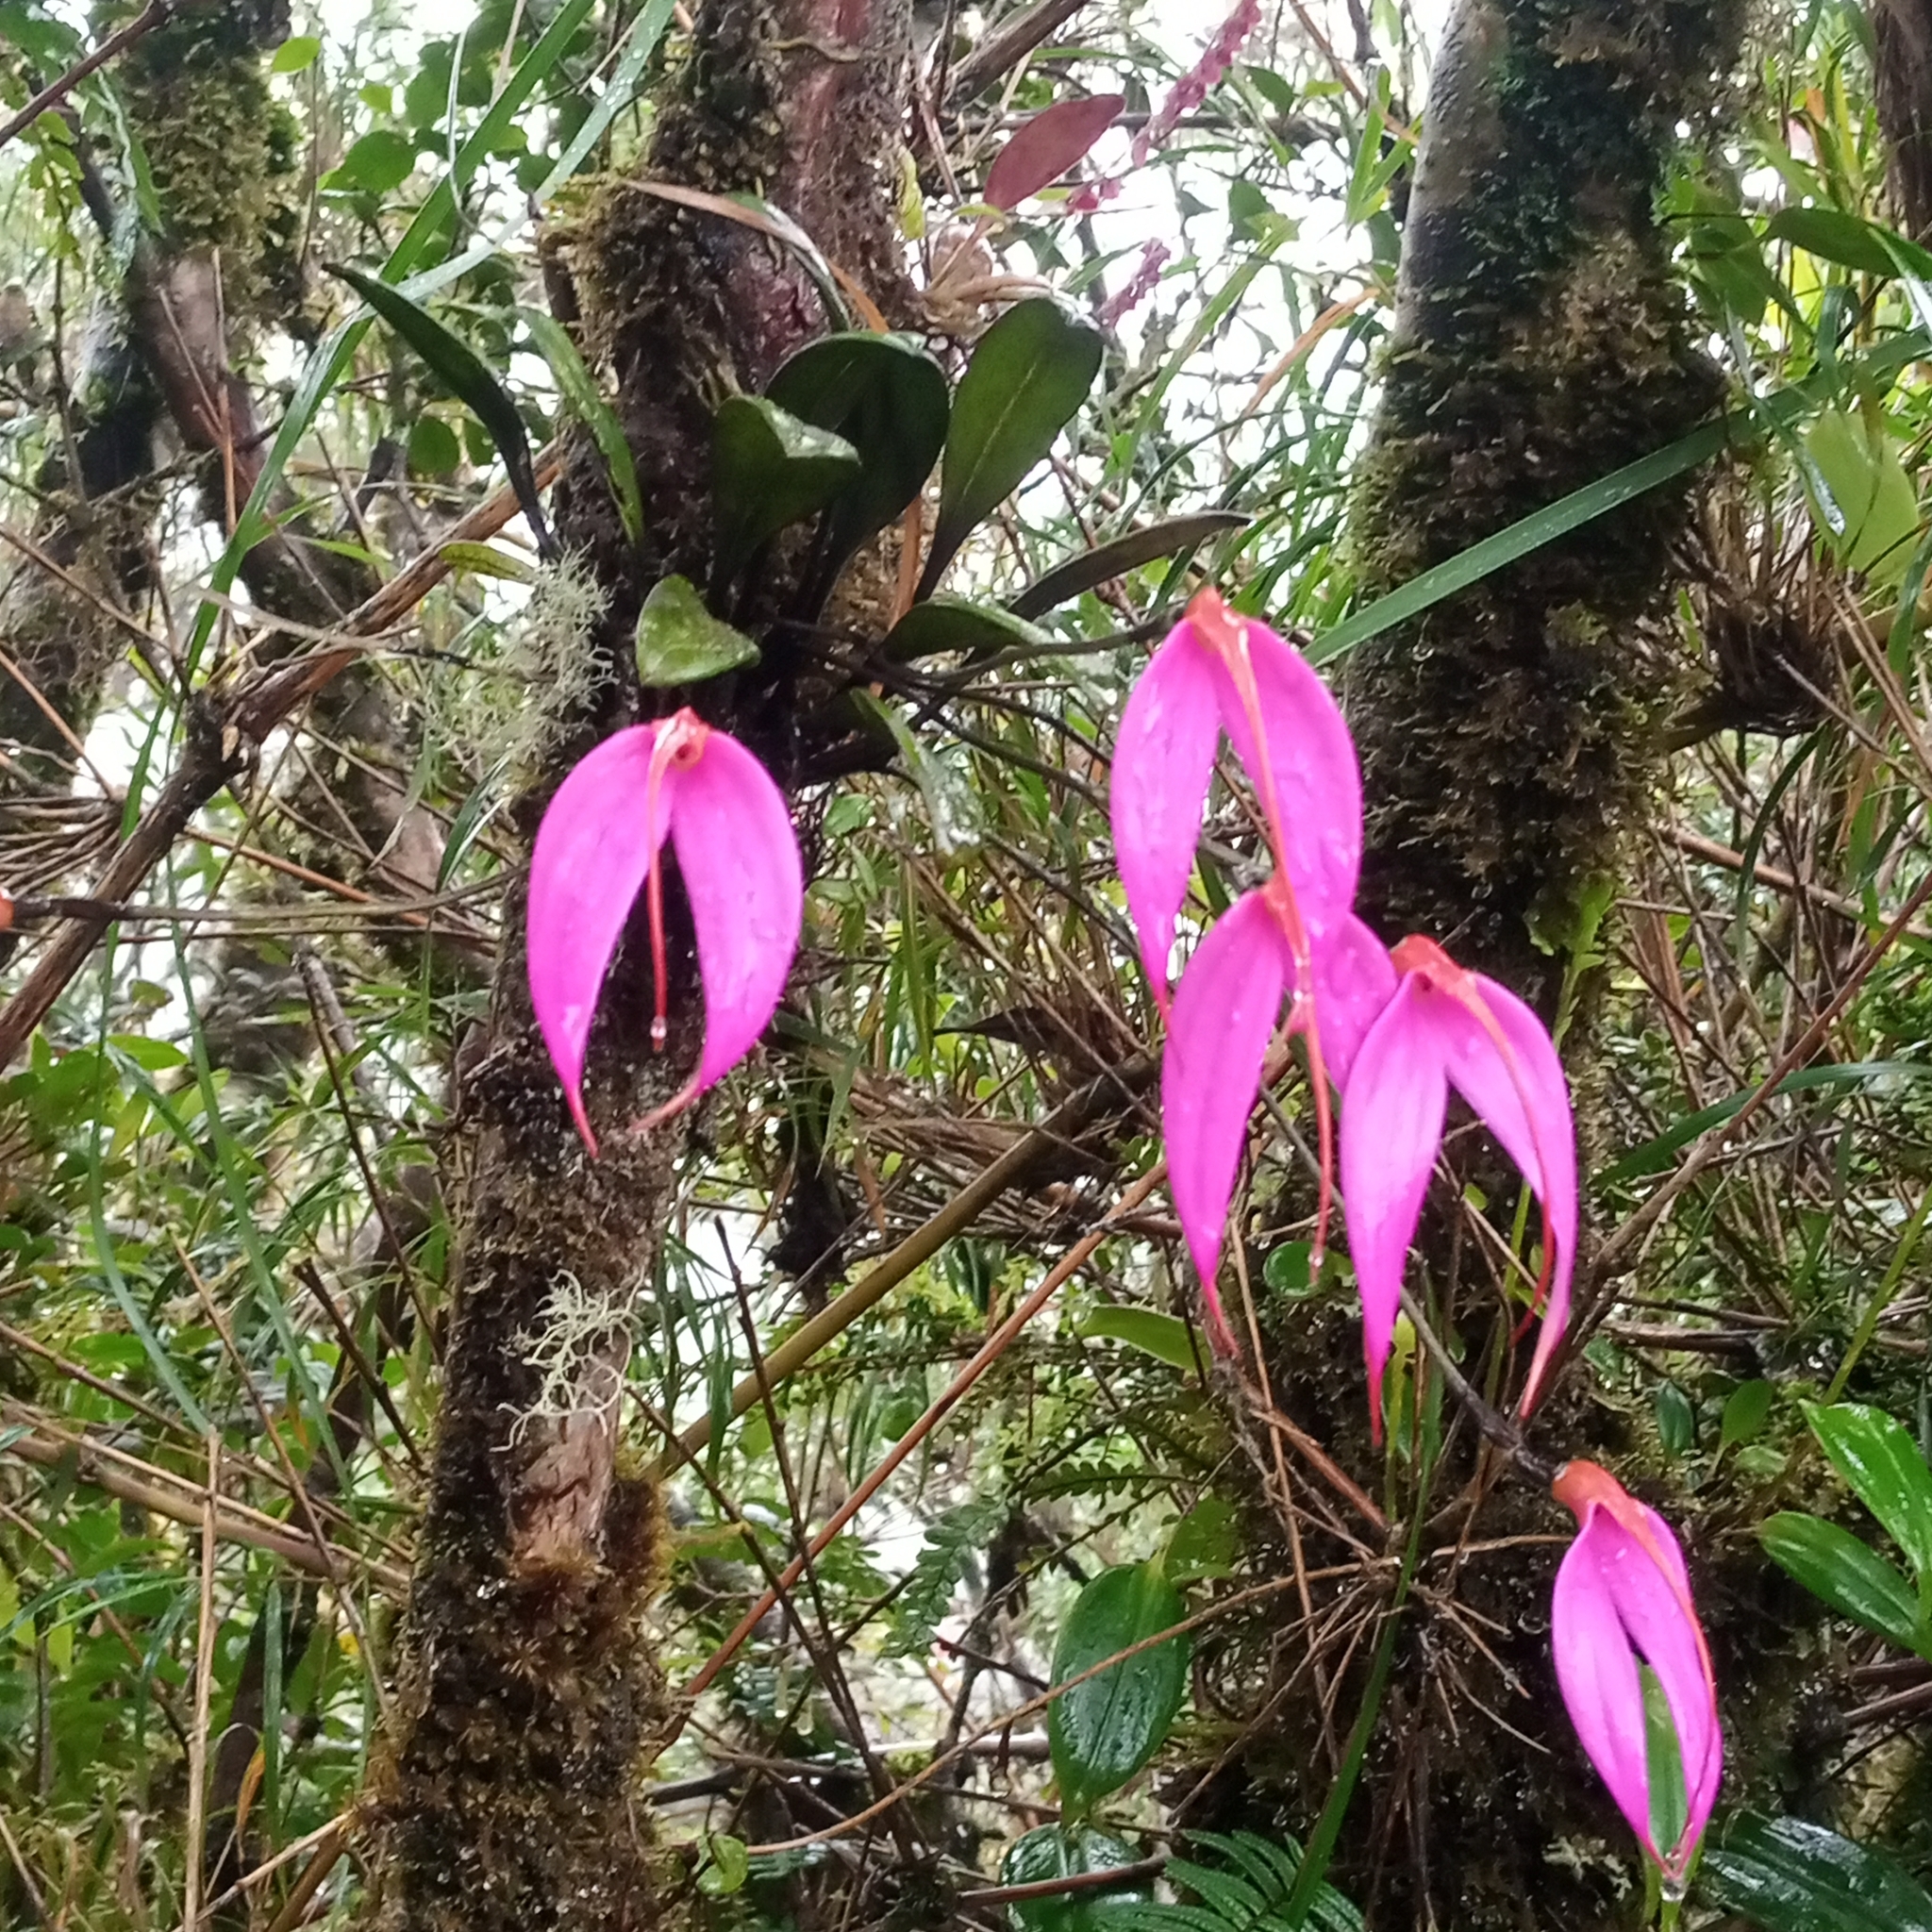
x=768 y=469
x=1031 y=371
x=887 y=397
x=1104 y=1728
x=679 y=642
x=469 y=379
x=579 y=389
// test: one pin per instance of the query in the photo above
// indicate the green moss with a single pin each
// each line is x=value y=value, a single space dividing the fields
x=219 y=150
x=1542 y=342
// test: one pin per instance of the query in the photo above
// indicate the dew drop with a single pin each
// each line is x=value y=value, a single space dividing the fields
x=659 y=1031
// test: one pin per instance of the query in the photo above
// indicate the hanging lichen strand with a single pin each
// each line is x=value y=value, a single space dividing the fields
x=1508 y=737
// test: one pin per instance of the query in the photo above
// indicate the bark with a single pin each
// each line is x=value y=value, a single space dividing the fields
x=1540 y=343
x=1902 y=75
x=528 y=1689
x=1510 y=744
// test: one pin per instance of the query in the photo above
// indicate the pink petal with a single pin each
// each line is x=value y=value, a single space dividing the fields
x=1353 y=981
x=1596 y=1670
x=1224 y=1014
x=1655 y=1605
x=1317 y=780
x=1524 y=1100
x=1163 y=760
x=739 y=859
x=1392 y=1125
x=589 y=859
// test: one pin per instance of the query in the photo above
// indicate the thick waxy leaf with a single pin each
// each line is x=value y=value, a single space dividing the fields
x=1878 y=1458
x=579 y=389
x=1031 y=371
x=769 y=470
x=1832 y=235
x=953 y=624
x=1056 y=1851
x=1102 y=1731
x=1786 y=1876
x=469 y=379
x=1066 y=581
x=679 y=642
x=1047 y=145
x=1853 y=1578
x=888 y=398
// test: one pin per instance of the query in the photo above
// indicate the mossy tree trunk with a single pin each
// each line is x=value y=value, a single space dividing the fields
x=1510 y=744
x=1508 y=737
x=528 y=1691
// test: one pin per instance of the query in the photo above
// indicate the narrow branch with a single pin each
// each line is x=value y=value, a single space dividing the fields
x=156 y=13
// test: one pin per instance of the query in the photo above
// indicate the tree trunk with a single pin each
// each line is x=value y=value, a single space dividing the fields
x=1901 y=81
x=529 y=1689
x=1510 y=746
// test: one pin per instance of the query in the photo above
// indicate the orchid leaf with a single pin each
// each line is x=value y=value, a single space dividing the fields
x=1031 y=371
x=586 y=402
x=887 y=398
x=1068 y=1850
x=1068 y=580
x=1784 y=1875
x=769 y=470
x=956 y=624
x=1842 y=1572
x=1105 y=1728
x=679 y=642
x=464 y=373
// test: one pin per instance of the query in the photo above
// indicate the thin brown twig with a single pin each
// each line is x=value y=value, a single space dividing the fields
x=156 y=13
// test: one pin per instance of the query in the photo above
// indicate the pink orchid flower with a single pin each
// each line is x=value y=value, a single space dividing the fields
x=1225 y=1016
x=1623 y=1591
x=602 y=840
x=1219 y=671
x=1445 y=1027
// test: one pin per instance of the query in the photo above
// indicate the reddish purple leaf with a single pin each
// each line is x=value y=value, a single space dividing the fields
x=1047 y=146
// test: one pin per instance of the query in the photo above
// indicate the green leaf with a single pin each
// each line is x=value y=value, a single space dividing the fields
x=727 y=1865
x=379 y=162
x=953 y=1541
x=957 y=623
x=1066 y=581
x=434 y=448
x=1746 y=1410
x=465 y=375
x=1102 y=1731
x=887 y=397
x=1057 y=1852
x=1832 y=235
x=1163 y=1337
x=1204 y=1541
x=679 y=642
x=487 y=560
x=1786 y=1876
x=769 y=469
x=1677 y=1420
x=297 y=52
x=1030 y=371
x=1841 y=1570
x=1878 y=1457
x=579 y=389
x=1867 y=508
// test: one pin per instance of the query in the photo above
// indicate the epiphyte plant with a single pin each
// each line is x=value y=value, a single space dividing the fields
x=1623 y=1591
x=602 y=840
x=1392 y=1031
